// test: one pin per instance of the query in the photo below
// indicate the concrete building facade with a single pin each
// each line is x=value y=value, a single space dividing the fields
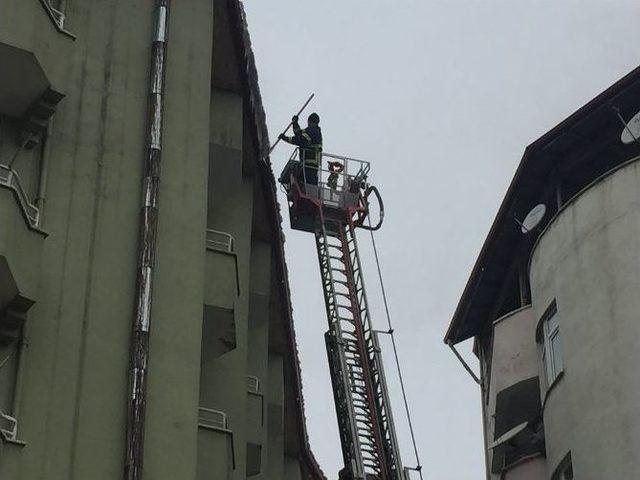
x=224 y=396
x=554 y=311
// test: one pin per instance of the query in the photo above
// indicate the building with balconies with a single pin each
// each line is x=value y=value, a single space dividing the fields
x=222 y=381
x=553 y=308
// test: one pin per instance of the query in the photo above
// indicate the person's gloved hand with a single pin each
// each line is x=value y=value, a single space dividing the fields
x=282 y=136
x=294 y=119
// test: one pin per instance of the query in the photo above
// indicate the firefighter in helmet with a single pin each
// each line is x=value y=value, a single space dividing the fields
x=309 y=140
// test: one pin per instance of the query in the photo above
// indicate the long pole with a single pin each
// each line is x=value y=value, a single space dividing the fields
x=291 y=122
x=141 y=323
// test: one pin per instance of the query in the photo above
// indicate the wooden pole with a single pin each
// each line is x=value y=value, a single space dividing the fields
x=291 y=122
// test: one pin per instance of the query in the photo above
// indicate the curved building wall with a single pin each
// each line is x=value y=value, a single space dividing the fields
x=588 y=261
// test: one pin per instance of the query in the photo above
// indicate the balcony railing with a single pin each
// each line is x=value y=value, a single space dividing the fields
x=217 y=240
x=9 y=178
x=56 y=11
x=8 y=427
x=338 y=180
x=210 y=418
x=253 y=384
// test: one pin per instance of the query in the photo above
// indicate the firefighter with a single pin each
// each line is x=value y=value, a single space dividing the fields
x=309 y=141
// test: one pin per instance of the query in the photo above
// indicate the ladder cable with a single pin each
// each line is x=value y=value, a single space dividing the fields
x=418 y=467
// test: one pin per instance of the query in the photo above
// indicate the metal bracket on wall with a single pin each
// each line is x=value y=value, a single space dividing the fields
x=464 y=364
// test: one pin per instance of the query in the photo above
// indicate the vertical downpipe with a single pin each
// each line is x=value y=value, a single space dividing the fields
x=137 y=393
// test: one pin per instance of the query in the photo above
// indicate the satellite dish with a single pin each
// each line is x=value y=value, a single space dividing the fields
x=631 y=131
x=533 y=218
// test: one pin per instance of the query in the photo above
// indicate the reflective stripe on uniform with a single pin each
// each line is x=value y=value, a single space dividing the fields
x=314 y=161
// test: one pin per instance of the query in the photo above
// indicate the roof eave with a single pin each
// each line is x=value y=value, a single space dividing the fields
x=452 y=335
x=261 y=139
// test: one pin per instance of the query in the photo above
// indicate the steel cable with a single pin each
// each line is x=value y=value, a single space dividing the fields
x=418 y=467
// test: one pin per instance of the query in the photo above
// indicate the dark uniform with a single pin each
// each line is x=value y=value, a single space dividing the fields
x=309 y=140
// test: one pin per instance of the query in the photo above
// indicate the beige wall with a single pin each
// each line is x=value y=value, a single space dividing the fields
x=588 y=261
x=514 y=359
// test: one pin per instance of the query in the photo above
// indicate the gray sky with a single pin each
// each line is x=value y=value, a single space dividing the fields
x=441 y=97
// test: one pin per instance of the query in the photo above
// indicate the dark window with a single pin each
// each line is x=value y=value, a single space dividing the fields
x=218 y=332
x=518 y=428
x=254 y=454
x=8 y=368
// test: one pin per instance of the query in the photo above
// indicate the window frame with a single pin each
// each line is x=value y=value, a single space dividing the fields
x=549 y=336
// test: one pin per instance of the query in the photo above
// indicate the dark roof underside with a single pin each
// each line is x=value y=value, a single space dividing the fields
x=577 y=151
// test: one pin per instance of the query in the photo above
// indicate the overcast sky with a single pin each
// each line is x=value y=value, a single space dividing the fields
x=441 y=97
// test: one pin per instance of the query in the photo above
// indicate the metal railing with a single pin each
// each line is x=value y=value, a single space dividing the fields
x=9 y=178
x=56 y=11
x=338 y=181
x=253 y=384
x=210 y=418
x=59 y=16
x=8 y=427
x=217 y=240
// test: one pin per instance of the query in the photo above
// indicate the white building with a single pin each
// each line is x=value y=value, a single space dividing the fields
x=555 y=312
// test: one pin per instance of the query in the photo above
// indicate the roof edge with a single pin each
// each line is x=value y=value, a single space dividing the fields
x=243 y=39
x=451 y=337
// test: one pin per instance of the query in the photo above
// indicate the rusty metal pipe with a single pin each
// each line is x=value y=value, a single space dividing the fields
x=141 y=322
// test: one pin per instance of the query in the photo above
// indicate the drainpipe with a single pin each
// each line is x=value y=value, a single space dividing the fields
x=137 y=392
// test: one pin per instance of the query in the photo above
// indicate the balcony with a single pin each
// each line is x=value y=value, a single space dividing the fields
x=216 y=454
x=223 y=265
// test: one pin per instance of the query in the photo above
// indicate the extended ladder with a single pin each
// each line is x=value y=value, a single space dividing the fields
x=369 y=444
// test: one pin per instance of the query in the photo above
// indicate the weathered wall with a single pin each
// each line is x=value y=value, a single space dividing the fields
x=515 y=356
x=223 y=385
x=587 y=260
x=72 y=410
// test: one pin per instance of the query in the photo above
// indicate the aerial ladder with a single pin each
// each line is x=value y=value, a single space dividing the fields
x=332 y=210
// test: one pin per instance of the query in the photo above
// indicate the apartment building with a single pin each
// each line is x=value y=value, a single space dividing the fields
x=102 y=377
x=552 y=302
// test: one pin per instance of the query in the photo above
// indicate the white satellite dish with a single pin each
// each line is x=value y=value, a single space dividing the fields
x=533 y=218
x=631 y=131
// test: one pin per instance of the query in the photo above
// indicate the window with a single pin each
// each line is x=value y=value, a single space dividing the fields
x=551 y=344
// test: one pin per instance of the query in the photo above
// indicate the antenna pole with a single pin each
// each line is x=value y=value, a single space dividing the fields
x=526 y=230
x=624 y=123
x=291 y=122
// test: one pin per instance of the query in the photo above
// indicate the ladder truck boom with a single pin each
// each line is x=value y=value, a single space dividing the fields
x=332 y=209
